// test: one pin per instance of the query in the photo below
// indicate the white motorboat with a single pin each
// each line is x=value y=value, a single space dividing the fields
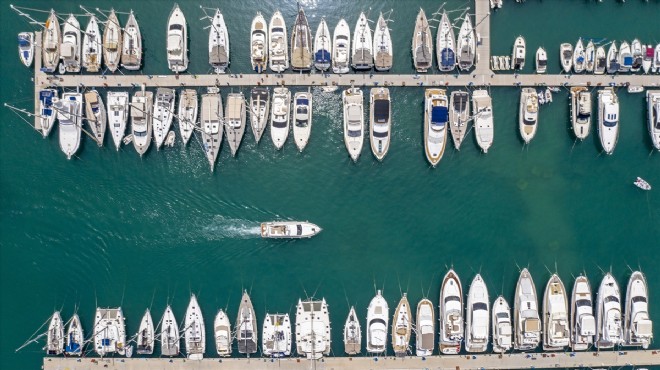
x=377 y=320
x=131 y=54
x=259 y=110
x=235 y=121
x=383 y=51
x=280 y=116
x=177 y=41
x=613 y=65
x=92 y=47
x=187 y=115
x=70 y=47
x=528 y=114
x=194 y=333
x=352 y=333
x=451 y=314
x=322 y=47
x=637 y=54
x=170 y=342
x=146 y=335
x=301 y=43
x=459 y=116
x=609 y=325
x=26 y=48
x=353 y=121
x=55 y=335
x=590 y=57
x=112 y=42
x=466 y=45
x=211 y=124
x=425 y=328
x=656 y=60
x=422 y=43
x=289 y=229
x=601 y=61
x=95 y=115
x=246 y=327
x=637 y=326
x=502 y=326
x=608 y=119
x=436 y=116
x=647 y=62
x=557 y=335
x=259 y=44
x=313 y=329
x=402 y=327
x=476 y=316
x=109 y=332
x=380 y=121
x=642 y=184
x=302 y=119
x=277 y=337
x=362 y=48
x=141 y=117
x=518 y=55
x=50 y=46
x=163 y=114
x=580 y=111
x=445 y=47
x=117 y=115
x=69 y=114
x=566 y=55
x=278 y=60
x=526 y=324
x=583 y=324
x=341 y=47
x=579 y=57
x=653 y=116
x=625 y=57
x=218 y=43
x=75 y=338
x=482 y=111
x=541 y=60
x=222 y=334
x=47 y=112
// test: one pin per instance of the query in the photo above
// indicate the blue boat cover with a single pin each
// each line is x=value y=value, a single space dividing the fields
x=302 y=102
x=105 y=341
x=23 y=42
x=627 y=61
x=448 y=58
x=322 y=56
x=439 y=115
x=47 y=112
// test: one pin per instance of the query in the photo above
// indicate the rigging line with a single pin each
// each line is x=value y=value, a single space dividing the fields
x=31 y=339
x=16 y=110
x=30 y=9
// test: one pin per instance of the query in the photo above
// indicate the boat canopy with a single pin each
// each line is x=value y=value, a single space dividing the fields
x=439 y=116
x=322 y=56
x=24 y=42
x=448 y=57
x=627 y=61
x=381 y=110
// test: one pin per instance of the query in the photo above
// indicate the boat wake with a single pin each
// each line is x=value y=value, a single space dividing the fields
x=231 y=228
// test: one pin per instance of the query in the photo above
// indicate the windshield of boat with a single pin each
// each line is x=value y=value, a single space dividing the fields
x=638 y=299
x=381 y=110
x=583 y=303
x=611 y=298
x=479 y=306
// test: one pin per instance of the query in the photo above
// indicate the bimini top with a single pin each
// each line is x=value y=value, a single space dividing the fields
x=381 y=110
x=439 y=115
x=448 y=57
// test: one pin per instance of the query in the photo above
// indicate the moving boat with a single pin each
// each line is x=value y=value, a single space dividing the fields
x=69 y=114
x=401 y=327
x=583 y=324
x=341 y=46
x=362 y=52
x=277 y=335
x=425 y=329
x=91 y=51
x=653 y=114
x=502 y=329
x=528 y=114
x=608 y=119
x=146 y=335
x=377 y=318
x=642 y=184
x=436 y=117
x=590 y=56
x=466 y=45
x=380 y=121
x=141 y=115
x=258 y=44
x=352 y=334
x=47 y=112
x=177 y=41
x=566 y=55
x=302 y=119
x=218 y=43
x=312 y=329
x=280 y=116
x=235 y=121
x=451 y=314
x=70 y=48
x=55 y=336
x=518 y=55
x=637 y=54
x=170 y=342
x=526 y=324
x=383 y=51
x=117 y=115
x=26 y=47
x=222 y=334
x=477 y=316
x=75 y=340
x=541 y=60
x=647 y=62
x=211 y=125
x=131 y=54
x=194 y=332
x=609 y=328
x=579 y=57
x=259 y=109
x=353 y=121
x=188 y=108
x=301 y=43
x=482 y=111
x=163 y=114
x=459 y=116
x=279 y=44
x=625 y=57
x=96 y=115
x=637 y=326
x=50 y=47
x=246 y=326
x=601 y=61
x=322 y=47
x=422 y=43
x=109 y=331
x=557 y=335
x=445 y=47
x=289 y=229
x=581 y=111
x=112 y=43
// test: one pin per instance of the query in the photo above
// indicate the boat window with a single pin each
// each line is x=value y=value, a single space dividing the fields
x=278 y=29
x=354 y=133
x=611 y=298
x=502 y=315
x=638 y=299
x=479 y=306
x=176 y=27
x=452 y=299
x=583 y=303
x=301 y=122
x=380 y=134
x=279 y=124
x=381 y=110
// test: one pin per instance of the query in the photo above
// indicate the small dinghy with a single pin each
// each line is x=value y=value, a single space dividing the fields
x=26 y=47
x=642 y=184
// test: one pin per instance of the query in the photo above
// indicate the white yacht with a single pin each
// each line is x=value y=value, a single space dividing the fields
x=47 y=112
x=194 y=333
x=637 y=55
x=526 y=324
x=653 y=113
x=625 y=57
x=69 y=114
x=557 y=335
x=422 y=43
x=402 y=327
x=341 y=47
x=302 y=118
x=601 y=61
x=637 y=326
x=95 y=115
x=313 y=329
x=92 y=47
x=425 y=328
x=609 y=325
x=383 y=51
x=109 y=331
x=222 y=334
x=301 y=43
x=70 y=47
x=518 y=55
x=476 y=316
x=352 y=334
x=362 y=48
x=55 y=335
x=170 y=342
x=246 y=326
x=459 y=116
x=608 y=119
x=26 y=48
x=218 y=43
x=580 y=111
x=146 y=335
x=647 y=62
x=259 y=43
x=436 y=116
x=280 y=116
x=482 y=111
x=289 y=229
x=528 y=114
x=177 y=41
x=466 y=45
x=322 y=47
x=131 y=53
x=112 y=42
x=163 y=114
x=583 y=324
x=277 y=337
x=451 y=314
x=502 y=326
x=613 y=65
x=541 y=60
x=445 y=47
x=377 y=319
x=259 y=110
x=51 y=40
x=75 y=338
x=235 y=121
x=278 y=60
x=566 y=55
x=141 y=114
x=211 y=124
x=590 y=55
x=579 y=57
x=187 y=114
x=353 y=121
x=117 y=115
x=380 y=117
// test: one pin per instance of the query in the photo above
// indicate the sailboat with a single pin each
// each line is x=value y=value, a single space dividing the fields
x=425 y=330
x=518 y=55
x=312 y=329
x=50 y=46
x=222 y=334
x=280 y=116
x=541 y=60
x=528 y=114
x=302 y=119
x=637 y=326
x=601 y=61
x=502 y=327
x=526 y=324
x=322 y=47
x=69 y=114
x=163 y=114
x=383 y=52
x=477 y=315
x=402 y=327
x=352 y=334
x=583 y=324
x=422 y=43
x=188 y=111
x=466 y=45
x=279 y=44
x=246 y=326
x=146 y=335
x=341 y=47
x=55 y=335
x=590 y=56
x=377 y=318
x=26 y=48
x=301 y=43
x=482 y=110
x=170 y=342
x=91 y=51
x=117 y=115
x=380 y=121
x=556 y=336
x=258 y=44
x=353 y=121
x=459 y=116
x=580 y=111
x=637 y=55
x=445 y=47
x=109 y=331
x=362 y=52
x=653 y=116
x=177 y=41
x=613 y=65
x=194 y=332
x=609 y=325
x=131 y=54
x=451 y=314
x=70 y=47
x=95 y=115
x=211 y=125
x=112 y=42
x=75 y=339
x=277 y=341
x=579 y=57
x=218 y=43
x=608 y=119
x=259 y=109
x=141 y=114
x=47 y=111
x=625 y=57
x=436 y=117
x=235 y=121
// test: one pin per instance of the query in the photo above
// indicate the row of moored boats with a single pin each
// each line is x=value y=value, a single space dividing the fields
x=633 y=57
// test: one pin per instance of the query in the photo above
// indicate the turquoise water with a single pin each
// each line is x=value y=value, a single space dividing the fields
x=112 y=229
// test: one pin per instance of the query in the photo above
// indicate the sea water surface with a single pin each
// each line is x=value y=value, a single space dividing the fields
x=112 y=229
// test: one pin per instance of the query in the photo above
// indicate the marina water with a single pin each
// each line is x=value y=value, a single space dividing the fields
x=112 y=229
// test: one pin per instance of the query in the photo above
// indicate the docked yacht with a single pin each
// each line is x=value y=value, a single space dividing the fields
x=637 y=326
x=278 y=60
x=170 y=342
x=601 y=61
x=353 y=121
x=259 y=44
x=579 y=57
x=502 y=326
x=451 y=314
x=425 y=328
x=476 y=316
x=109 y=331
x=112 y=43
x=69 y=114
x=277 y=337
x=95 y=115
x=218 y=43
x=322 y=47
x=557 y=335
x=70 y=48
x=47 y=112
x=301 y=43
x=289 y=229
x=362 y=48
x=146 y=335
x=580 y=111
x=608 y=119
x=211 y=124
x=590 y=54
x=422 y=43
x=518 y=55
x=436 y=117
x=637 y=54
x=163 y=114
x=466 y=45
x=187 y=115
x=50 y=47
x=117 y=115
x=259 y=109
x=653 y=112
x=246 y=327
x=131 y=53
x=402 y=327
x=526 y=324
x=341 y=47
x=222 y=334
x=377 y=318
x=352 y=334
x=302 y=119
x=75 y=339
x=235 y=121
x=445 y=47
x=380 y=121
x=55 y=335
x=566 y=55
x=383 y=51
x=459 y=116
x=583 y=324
x=312 y=329
x=609 y=328
x=91 y=46
x=625 y=57
x=177 y=41
x=528 y=114
x=194 y=333
x=541 y=60
x=613 y=65
x=26 y=47
x=647 y=62
x=482 y=110
x=280 y=116
x=141 y=114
